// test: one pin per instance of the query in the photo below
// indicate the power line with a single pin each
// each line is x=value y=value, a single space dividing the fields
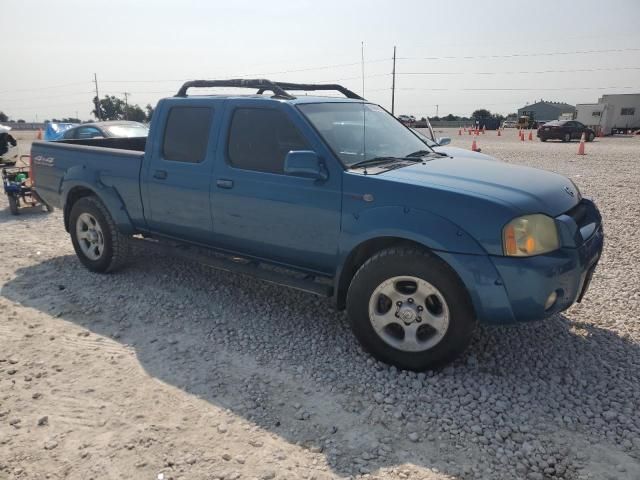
x=516 y=55
x=44 y=88
x=530 y=72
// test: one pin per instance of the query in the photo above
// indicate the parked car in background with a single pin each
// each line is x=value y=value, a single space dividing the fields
x=565 y=130
x=110 y=129
x=407 y=119
x=509 y=124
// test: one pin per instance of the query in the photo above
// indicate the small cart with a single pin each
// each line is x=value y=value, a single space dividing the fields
x=17 y=186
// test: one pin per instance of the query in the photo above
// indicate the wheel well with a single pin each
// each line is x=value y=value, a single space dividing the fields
x=361 y=254
x=74 y=195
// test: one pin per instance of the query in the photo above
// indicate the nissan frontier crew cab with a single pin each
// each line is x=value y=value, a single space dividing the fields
x=334 y=196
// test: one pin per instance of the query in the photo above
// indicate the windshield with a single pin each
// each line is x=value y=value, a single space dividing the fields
x=127 y=130
x=424 y=138
x=361 y=131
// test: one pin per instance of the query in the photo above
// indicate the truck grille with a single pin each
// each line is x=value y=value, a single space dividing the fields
x=587 y=218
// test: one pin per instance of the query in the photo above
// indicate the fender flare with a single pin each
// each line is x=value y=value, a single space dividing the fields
x=397 y=223
x=79 y=178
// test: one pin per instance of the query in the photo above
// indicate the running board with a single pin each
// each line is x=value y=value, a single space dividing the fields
x=241 y=265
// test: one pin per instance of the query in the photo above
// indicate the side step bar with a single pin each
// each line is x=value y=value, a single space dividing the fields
x=241 y=265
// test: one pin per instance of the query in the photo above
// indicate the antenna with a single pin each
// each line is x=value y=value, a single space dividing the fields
x=362 y=54
x=393 y=84
x=364 y=113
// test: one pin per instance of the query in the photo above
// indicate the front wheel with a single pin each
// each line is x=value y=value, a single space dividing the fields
x=567 y=137
x=13 y=204
x=590 y=137
x=96 y=239
x=408 y=308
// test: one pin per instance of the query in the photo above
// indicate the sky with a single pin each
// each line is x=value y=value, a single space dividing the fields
x=453 y=56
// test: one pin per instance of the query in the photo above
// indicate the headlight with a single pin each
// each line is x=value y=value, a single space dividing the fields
x=530 y=235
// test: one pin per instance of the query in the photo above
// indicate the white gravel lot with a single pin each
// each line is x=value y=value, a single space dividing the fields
x=173 y=369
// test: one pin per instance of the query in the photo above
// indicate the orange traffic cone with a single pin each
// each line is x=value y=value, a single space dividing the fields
x=474 y=146
x=600 y=134
x=459 y=131
x=484 y=129
x=499 y=134
x=581 y=146
x=39 y=136
x=522 y=135
x=470 y=132
x=530 y=135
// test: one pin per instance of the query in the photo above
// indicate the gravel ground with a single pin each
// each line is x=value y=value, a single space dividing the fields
x=172 y=370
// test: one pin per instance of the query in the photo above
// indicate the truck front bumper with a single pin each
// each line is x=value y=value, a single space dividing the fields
x=516 y=289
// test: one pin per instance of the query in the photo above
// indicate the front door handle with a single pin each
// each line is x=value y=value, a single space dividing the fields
x=160 y=174
x=223 y=183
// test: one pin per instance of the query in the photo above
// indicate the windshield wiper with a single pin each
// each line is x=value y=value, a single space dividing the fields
x=380 y=160
x=421 y=153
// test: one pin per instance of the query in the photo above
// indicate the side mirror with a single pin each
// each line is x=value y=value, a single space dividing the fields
x=442 y=141
x=304 y=163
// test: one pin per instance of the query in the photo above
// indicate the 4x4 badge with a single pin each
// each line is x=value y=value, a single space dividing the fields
x=569 y=191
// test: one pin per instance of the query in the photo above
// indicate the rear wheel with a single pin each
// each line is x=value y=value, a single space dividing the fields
x=566 y=137
x=590 y=137
x=13 y=204
x=408 y=308
x=96 y=239
x=542 y=139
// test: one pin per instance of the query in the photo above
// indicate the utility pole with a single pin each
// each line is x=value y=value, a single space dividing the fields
x=437 y=110
x=126 y=105
x=393 y=83
x=95 y=79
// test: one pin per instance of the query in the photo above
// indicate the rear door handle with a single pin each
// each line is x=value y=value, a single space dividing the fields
x=223 y=183
x=160 y=174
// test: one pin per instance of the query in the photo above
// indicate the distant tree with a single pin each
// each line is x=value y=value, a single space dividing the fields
x=481 y=113
x=135 y=113
x=3 y=117
x=113 y=108
x=21 y=121
x=149 y=109
x=423 y=119
x=71 y=120
x=451 y=117
x=108 y=108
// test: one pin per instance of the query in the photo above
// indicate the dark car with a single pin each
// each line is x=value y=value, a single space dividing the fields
x=565 y=130
x=112 y=129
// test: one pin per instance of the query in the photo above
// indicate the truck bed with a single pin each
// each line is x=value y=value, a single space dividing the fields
x=116 y=167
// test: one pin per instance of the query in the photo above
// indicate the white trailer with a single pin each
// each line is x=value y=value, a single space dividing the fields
x=612 y=113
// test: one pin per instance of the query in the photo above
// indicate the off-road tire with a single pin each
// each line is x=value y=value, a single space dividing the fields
x=13 y=205
x=590 y=137
x=411 y=261
x=116 y=245
x=566 y=137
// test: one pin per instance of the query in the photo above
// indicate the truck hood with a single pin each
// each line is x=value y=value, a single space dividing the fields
x=462 y=153
x=526 y=190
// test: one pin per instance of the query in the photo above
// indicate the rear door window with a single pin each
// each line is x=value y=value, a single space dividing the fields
x=260 y=138
x=186 y=134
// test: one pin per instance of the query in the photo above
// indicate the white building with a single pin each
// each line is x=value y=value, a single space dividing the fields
x=611 y=113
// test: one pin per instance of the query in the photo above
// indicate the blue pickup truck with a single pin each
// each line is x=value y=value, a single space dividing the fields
x=334 y=196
